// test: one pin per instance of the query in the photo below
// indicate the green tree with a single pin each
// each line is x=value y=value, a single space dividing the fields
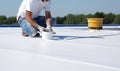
x=3 y=19
x=70 y=19
x=109 y=18
x=60 y=20
x=117 y=19
x=99 y=15
x=89 y=15
x=82 y=19
x=77 y=19
x=11 y=20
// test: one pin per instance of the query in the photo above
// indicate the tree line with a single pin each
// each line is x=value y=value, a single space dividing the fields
x=109 y=18
x=8 y=20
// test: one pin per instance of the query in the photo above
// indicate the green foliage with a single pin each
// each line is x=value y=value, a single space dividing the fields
x=11 y=20
x=60 y=20
x=2 y=19
x=7 y=21
x=75 y=19
x=70 y=18
x=117 y=19
x=99 y=15
x=82 y=19
x=89 y=15
x=109 y=18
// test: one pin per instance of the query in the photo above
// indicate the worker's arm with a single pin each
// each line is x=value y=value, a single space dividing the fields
x=30 y=20
x=48 y=17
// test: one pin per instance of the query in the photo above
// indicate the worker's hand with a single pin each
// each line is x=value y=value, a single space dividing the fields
x=41 y=29
x=50 y=30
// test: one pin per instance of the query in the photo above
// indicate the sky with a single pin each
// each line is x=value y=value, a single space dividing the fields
x=63 y=7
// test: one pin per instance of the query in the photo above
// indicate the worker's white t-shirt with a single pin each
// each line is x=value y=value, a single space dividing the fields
x=34 y=6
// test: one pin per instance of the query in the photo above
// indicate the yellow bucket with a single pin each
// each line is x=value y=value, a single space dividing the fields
x=95 y=23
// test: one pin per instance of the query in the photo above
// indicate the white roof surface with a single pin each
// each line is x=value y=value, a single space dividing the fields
x=72 y=49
